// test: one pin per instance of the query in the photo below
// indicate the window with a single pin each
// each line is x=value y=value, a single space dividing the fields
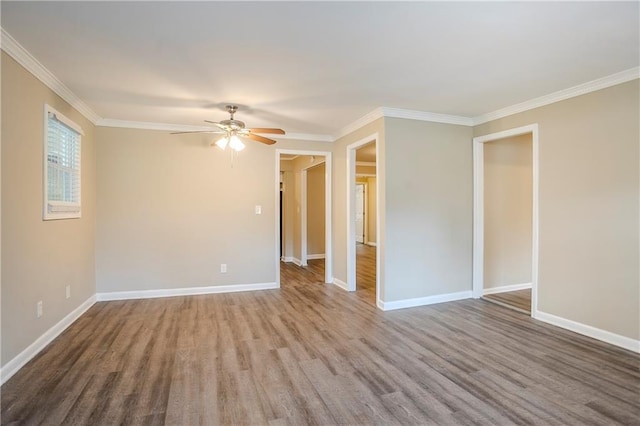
x=61 y=166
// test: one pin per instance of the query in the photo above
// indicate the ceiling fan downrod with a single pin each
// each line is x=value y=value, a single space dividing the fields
x=231 y=109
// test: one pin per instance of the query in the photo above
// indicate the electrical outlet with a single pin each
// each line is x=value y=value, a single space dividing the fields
x=39 y=309
x=68 y=291
x=223 y=268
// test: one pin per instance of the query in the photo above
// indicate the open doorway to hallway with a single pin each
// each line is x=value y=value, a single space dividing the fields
x=303 y=222
x=366 y=215
x=505 y=219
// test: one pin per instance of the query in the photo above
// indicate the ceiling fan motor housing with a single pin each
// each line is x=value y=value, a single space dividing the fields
x=233 y=124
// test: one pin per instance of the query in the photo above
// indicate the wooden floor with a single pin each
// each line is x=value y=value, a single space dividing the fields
x=519 y=300
x=366 y=273
x=311 y=353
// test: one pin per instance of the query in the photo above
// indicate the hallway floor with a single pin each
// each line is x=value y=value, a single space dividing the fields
x=519 y=300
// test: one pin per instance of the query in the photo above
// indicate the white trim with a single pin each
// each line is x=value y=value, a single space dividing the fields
x=39 y=71
x=359 y=123
x=406 y=114
x=589 y=331
x=12 y=367
x=187 y=291
x=170 y=127
x=506 y=288
x=433 y=117
x=144 y=125
x=424 y=301
x=303 y=217
x=328 y=264
x=561 y=95
x=315 y=256
x=340 y=283
x=371 y=243
x=291 y=259
x=478 y=209
x=351 y=215
x=366 y=163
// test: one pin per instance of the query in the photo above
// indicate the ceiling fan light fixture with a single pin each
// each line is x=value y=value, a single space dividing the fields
x=236 y=144
x=222 y=143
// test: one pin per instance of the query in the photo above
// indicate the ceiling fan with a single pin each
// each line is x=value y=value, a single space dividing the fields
x=232 y=129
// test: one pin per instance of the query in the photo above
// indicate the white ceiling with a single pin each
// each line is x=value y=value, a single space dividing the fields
x=315 y=67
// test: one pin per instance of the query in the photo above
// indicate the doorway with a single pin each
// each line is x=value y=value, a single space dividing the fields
x=505 y=252
x=292 y=167
x=363 y=270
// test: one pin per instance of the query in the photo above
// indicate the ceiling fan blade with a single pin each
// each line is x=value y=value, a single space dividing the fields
x=267 y=130
x=215 y=123
x=197 y=131
x=260 y=139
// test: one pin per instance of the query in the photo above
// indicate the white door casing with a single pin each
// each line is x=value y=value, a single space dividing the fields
x=478 y=210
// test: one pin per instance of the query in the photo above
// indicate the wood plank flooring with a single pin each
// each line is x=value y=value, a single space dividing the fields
x=311 y=353
x=366 y=272
x=519 y=300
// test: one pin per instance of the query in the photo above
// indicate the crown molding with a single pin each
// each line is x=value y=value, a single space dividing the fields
x=168 y=127
x=143 y=125
x=561 y=95
x=426 y=116
x=304 y=137
x=359 y=123
x=407 y=114
x=31 y=64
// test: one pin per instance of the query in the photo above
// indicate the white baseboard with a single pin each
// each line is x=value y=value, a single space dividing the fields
x=315 y=256
x=293 y=260
x=423 y=301
x=340 y=284
x=41 y=342
x=506 y=288
x=589 y=331
x=371 y=243
x=189 y=291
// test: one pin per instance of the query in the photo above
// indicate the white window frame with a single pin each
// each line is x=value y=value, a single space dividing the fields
x=53 y=210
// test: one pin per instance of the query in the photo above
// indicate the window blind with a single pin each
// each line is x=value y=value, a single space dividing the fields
x=63 y=167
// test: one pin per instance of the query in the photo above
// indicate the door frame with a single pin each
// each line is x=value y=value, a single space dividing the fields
x=351 y=213
x=328 y=230
x=478 y=209
x=365 y=210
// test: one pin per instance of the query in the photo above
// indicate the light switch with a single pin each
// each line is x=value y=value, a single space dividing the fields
x=258 y=209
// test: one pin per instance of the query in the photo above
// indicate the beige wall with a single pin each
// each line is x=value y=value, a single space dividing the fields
x=365 y=170
x=287 y=208
x=339 y=195
x=172 y=209
x=316 y=210
x=297 y=215
x=428 y=235
x=589 y=206
x=39 y=259
x=508 y=192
